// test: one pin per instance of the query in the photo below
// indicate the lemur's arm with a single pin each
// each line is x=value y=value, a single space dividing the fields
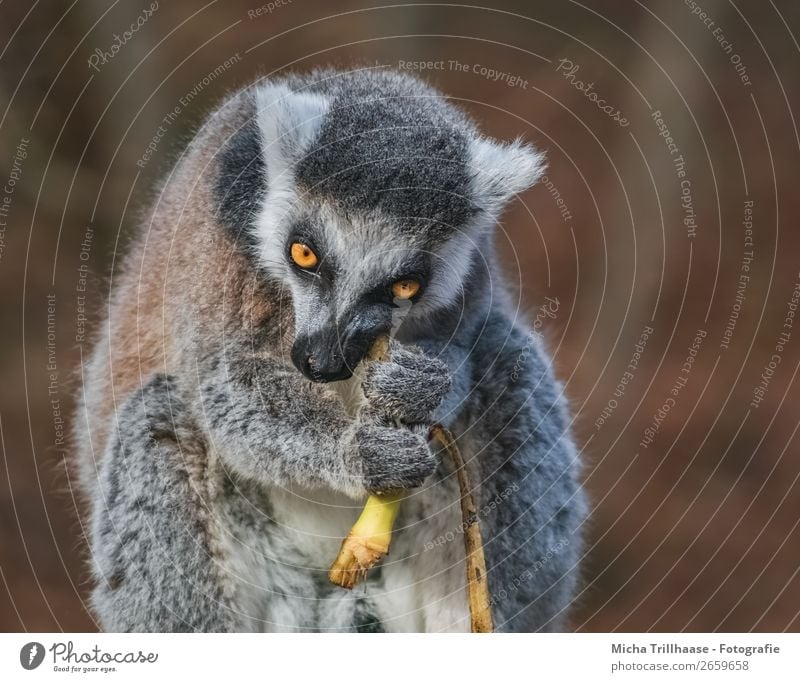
x=152 y=546
x=271 y=424
x=531 y=503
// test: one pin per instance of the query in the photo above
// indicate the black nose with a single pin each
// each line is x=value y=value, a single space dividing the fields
x=332 y=352
x=319 y=360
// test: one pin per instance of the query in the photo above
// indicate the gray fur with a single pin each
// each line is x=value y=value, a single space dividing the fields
x=394 y=458
x=389 y=143
x=409 y=388
x=241 y=182
x=285 y=432
x=224 y=489
x=152 y=557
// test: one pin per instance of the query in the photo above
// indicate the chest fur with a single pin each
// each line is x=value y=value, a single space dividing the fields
x=276 y=546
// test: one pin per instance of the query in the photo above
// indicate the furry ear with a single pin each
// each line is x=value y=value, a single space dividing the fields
x=502 y=170
x=289 y=121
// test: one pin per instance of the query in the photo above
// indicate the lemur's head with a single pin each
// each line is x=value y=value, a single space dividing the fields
x=360 y=192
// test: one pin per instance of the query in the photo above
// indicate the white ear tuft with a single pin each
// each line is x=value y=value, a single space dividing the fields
x=503 y=170
x=289 y=122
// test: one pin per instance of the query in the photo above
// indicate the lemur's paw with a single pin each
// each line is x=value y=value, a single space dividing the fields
x=408 y=387
x=393 y=458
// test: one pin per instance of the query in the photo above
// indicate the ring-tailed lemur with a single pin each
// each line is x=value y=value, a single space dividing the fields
x=223 y=443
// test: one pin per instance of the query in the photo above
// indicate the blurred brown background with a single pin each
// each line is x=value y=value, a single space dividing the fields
x=696 y=529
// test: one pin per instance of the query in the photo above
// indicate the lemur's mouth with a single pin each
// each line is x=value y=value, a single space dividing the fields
x=345 y=373
x=321 y=370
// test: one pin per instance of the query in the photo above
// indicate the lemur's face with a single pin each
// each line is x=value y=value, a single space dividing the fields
x=353 y=278
x=375 y=201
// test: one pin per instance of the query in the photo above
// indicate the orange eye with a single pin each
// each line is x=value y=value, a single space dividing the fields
x=303 y=256
x=405 y=289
